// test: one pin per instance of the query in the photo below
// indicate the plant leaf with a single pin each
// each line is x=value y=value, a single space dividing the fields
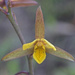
x=60 y=53
x=17 y=53
x=39 y=24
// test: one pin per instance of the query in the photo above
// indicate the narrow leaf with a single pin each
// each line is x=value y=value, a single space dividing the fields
x=60 y=53
x=21 y=3
x=39 y=24
x=17 y=53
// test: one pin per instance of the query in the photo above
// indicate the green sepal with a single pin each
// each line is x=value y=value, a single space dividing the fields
x=60 y=53
x=17 y=54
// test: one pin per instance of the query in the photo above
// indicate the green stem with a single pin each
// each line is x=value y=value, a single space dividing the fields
x=18 y=31
x=30 y=64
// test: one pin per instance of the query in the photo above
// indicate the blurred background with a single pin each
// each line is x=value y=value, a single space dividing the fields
x=59 y=18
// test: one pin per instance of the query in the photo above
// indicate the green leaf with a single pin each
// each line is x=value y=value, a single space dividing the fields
x=17 y=53
x=60 y=53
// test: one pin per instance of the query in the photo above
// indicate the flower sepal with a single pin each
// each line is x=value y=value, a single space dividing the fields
x=17 y=54
x=60 y=53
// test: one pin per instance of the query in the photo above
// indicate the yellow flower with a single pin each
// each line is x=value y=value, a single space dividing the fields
x=39 y=49
x=40 y=46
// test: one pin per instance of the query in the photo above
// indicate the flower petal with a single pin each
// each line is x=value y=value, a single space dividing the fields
x=39 y=55
x=48 y=44
x=60 y=53
x=39 y=24
x=22 y=3
x=29 y=45
x=17 y=53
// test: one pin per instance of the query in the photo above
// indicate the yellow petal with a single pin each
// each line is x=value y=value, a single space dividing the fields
x=29 y=45
x=39 y=55
x=48 y=44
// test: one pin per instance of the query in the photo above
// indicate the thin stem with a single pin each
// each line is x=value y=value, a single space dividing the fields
x=16 y=27
x=31 y=71
x=18 y=31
